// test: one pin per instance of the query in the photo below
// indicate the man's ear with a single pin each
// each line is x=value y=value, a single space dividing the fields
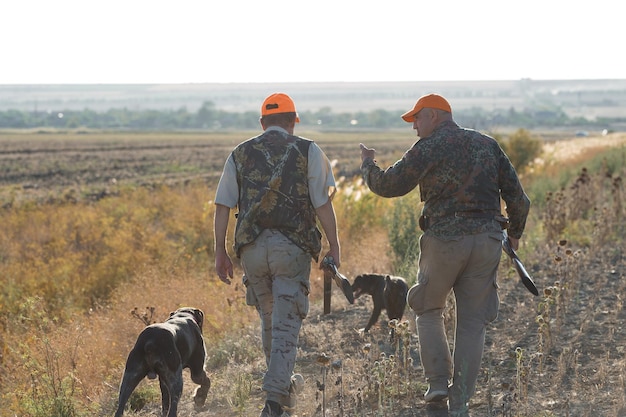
x=439 y=115
x=291 y=127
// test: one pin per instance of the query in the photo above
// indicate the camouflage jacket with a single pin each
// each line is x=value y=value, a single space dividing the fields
x=274 y=191
x=461 y=174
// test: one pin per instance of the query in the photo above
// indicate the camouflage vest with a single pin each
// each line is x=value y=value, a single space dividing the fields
x=272 y=175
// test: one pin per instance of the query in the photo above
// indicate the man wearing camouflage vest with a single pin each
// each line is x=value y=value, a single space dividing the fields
x=280 y=184
x=462 y=174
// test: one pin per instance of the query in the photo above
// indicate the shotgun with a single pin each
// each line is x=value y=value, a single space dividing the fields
x=519 y=267
x=331 y=271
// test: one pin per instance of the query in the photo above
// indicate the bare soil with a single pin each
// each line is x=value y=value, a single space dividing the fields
x=576 y=370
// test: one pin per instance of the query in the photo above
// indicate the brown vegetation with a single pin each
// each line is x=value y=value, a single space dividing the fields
x=86 y=264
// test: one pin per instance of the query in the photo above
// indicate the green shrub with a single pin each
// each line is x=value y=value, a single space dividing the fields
x=144 y=394
x=404 y=234
x=54 y=390
x=522 y=148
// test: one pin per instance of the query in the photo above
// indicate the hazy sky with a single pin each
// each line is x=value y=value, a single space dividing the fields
x=187 y=41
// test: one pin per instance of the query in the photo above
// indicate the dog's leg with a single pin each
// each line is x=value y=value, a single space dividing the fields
x=171 y=390
x=199 y=376
x=166 y=398
x=126 y=389
x=374 y=317
x=133 y=374
x=201 y=392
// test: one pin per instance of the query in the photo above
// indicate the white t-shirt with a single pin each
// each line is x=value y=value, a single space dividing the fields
x=320 y=174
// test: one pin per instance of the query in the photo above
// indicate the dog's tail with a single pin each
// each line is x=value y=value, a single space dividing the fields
x=152 y=359
x=156 y=367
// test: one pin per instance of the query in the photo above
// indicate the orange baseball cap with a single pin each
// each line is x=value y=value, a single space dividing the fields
x=433 y=101
x=278 y=103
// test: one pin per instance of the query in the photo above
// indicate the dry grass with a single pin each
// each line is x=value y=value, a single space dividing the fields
x=560 y=354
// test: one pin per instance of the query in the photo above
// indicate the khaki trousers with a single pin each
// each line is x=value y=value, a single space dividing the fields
x=467 y=266
x=278 y=285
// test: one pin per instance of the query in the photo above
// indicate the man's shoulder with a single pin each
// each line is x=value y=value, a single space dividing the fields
x=249 y=141
x=303 y=139
x=272 y=136
x=275 y=133
x=305 y=144
x=475 y=133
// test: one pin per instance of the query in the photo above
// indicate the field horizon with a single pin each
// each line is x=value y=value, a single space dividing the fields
x=584 y=98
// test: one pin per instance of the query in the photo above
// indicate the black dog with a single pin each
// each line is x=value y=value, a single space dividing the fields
x=388 y=293
x=165 y=349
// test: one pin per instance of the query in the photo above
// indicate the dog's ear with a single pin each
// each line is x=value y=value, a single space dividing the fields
x=184 y=310
x=199 y=316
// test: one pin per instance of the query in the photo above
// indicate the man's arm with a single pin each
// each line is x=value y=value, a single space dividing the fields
x=326 y=215
x=395 y=181
x=223 y=264
x=517 y=202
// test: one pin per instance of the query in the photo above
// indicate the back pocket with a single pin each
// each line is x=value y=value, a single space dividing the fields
x=417 y=295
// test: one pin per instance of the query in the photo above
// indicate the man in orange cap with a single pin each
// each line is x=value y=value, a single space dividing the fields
x=280 y=184
x=462 y=175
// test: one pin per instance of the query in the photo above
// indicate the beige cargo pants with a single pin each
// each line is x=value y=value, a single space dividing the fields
x=467 y=266
x=278 y=272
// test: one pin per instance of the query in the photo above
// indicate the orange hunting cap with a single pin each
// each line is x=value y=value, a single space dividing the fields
x=433 y=101
x=278 y=103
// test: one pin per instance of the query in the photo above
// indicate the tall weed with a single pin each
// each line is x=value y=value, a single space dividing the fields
x=404 y=233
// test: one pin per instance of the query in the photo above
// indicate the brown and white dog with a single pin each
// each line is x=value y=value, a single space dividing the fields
x=165 y=349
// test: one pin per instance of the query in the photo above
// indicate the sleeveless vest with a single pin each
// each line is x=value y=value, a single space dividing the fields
x=272 y=175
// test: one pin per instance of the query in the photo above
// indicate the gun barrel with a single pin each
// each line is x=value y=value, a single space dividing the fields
x=519 y=266
x=341 y=281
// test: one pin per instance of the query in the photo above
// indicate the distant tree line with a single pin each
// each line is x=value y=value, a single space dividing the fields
x=208 y=117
